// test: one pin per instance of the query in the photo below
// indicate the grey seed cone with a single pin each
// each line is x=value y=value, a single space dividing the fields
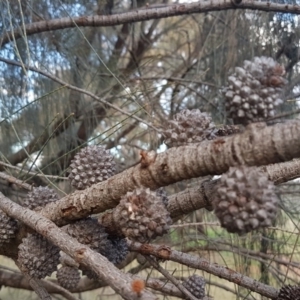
x=188 y=126
x=254 y=91
x=289 y=292
x=245 y=200
x=142 y=215
x=68 y=277
x=196 y=285
x=8 y=228
x=91 y=165
x=38 y=256
x=89 y=232
x=39 y=197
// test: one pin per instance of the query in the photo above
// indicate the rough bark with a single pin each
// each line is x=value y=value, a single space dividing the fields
x=256 y=146
x=192 y=199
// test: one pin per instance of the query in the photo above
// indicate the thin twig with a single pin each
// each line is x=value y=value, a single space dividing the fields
x=16 y=181
x=139 y=15
x=201 y=263
x=72 y=87
x=31 y=173
x=171 y=278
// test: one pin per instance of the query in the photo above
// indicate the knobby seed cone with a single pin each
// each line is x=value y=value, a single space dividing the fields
x=142 y=216
x=119 y=249
x=91 y=165
x=68 y=277
x=254 y=91
x=39 y=197
x=245 y=200
x=188 y=126
x=161 y=192
x=89 y=232
x=196 y=285
x=289 y=292
x=38 y=256
x=227 y=130
x=8 y=228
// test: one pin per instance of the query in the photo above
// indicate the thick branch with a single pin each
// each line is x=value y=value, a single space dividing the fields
x=145 y=14
x=257 y=145
x=192 y=199
x=106 y=271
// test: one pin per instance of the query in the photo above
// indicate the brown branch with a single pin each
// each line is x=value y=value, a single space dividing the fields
x=196 y=262
x=82 y=254
x=144 y=15
x=192 y=199
x=12 y=180
x=257 y=145
x=19 y=281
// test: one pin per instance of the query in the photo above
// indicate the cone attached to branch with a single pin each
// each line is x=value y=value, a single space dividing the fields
x=89 y=232
x=119 y=249
x=161 y=192
x=196 y=285
x=39 y=197
x=141 y=215
x=289 y=292
x=188 y=126
x=68 y=277
x=255 y=90
x=91 y=165
x=38 y=256
x=245 y=200
x=8 y=228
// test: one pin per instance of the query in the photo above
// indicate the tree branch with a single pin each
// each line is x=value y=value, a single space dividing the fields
x=105 y=270
x=257 y=145
x=192 y=261
x=144 y=15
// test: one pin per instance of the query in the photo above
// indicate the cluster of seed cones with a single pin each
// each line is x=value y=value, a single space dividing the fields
x=245 y=200
x=255 y=90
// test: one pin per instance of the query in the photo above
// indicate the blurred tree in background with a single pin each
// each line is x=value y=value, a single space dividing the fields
x=118 y=86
